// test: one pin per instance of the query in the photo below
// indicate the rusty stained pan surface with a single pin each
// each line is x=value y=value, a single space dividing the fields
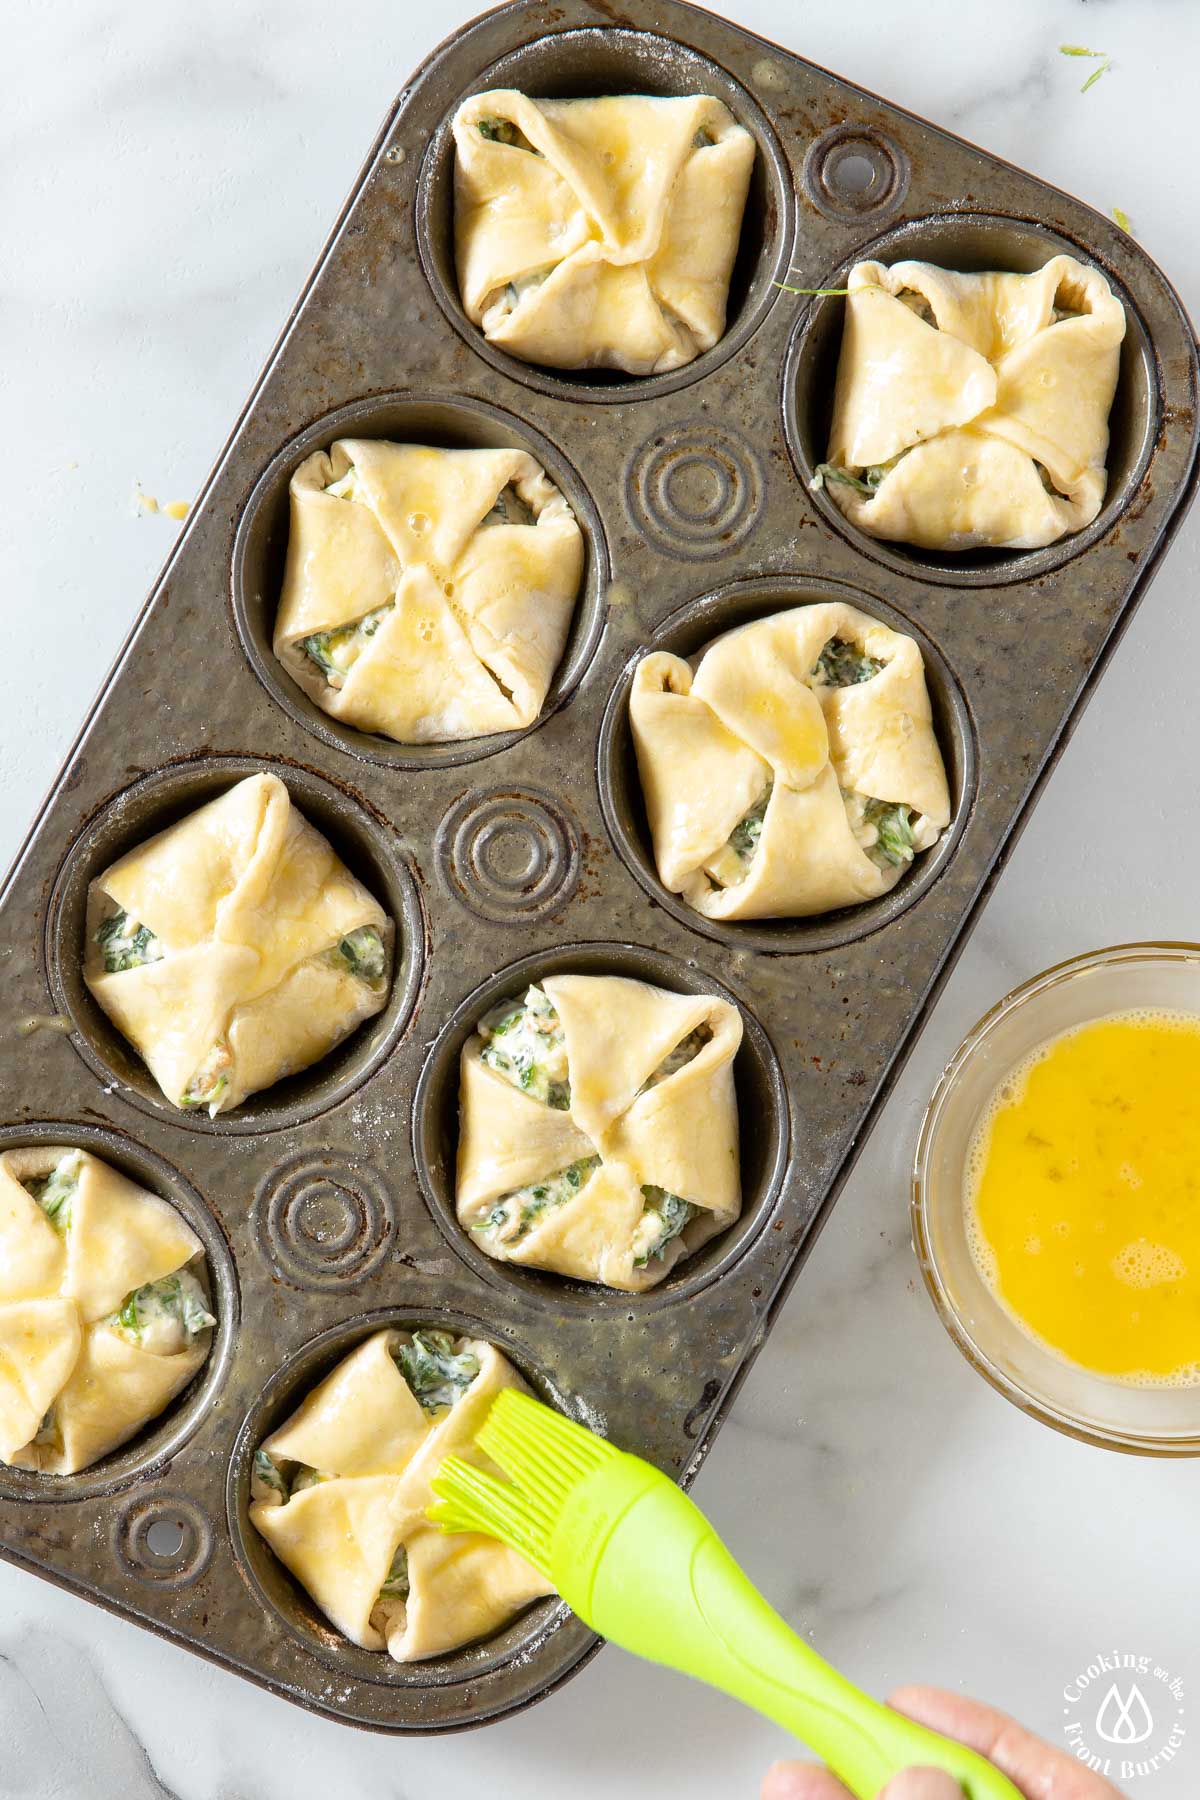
x=326 y=1202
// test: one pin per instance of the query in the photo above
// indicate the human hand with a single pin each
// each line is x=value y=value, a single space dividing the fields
x=1035 y=1769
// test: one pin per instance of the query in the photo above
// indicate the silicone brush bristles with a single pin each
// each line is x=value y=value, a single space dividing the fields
x=546 y=1457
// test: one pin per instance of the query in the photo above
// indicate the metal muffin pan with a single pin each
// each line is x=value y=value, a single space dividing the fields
x=326 y=1203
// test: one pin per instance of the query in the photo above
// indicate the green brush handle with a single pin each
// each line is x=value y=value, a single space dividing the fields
x=659 y=1582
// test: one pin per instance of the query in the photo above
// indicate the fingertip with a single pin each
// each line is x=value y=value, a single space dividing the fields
x=922 y=1784
x=800 y=1781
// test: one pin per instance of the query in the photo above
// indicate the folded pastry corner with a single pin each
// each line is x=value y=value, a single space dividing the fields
x=339 y=1492
x=104 y=1308
x=599 y=233
x=599 y=1128
x=972 y=410
x=235 y=947
x=794 y=769
x=427 y=593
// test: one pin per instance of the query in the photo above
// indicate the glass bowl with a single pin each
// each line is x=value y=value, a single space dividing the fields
x=1128 y=977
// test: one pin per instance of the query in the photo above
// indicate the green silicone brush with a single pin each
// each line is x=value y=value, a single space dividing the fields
x=640 y=1564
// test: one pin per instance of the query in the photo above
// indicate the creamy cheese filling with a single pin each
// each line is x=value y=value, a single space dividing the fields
x=664 y=1217
x=336 y=652
x=508 y=508
x=164 y=1317
x=361 y=953
x=842 y=664
x=731 y=863
x=54 y=1192
x=437 y=1371
x=891 y=835
x=126 y=944
x=512 y=1217
x=524 y=1042
x=211 y=1079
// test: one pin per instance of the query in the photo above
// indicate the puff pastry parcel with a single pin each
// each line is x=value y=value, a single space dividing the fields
x=340 y=1491
x=599 y=1128
x=794 y=769
x=235 y=947
x=427 y=593
x=972 y=410
x=104 y=1315
x=598 y=233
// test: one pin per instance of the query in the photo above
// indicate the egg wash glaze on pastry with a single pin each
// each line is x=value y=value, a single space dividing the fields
x=598 y=1128
x=339 y=1492
x=971 y=411
x=599 y=233
x=427 y=593
x=104 y=1308
x=235 y=948
x=792 y=767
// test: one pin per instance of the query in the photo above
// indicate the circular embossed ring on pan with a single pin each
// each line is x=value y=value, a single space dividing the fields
x=509 y=854
x=165 y=1541
x=763 y=1147
x=685 y=634
x=546 y=1637
x=370 y=850
x=593 y=61
x=854 y=173
x=161 y=1437
x=324 y=1222
x=445 y=421
x=694 y=489
x=971 y=243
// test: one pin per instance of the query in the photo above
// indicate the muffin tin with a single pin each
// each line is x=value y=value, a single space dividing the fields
x=325 y=1203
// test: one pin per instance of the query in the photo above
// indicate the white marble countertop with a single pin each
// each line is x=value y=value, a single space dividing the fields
x=169 y=174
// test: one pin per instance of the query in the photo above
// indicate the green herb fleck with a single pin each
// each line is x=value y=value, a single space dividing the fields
x=1097 y=56
x=893 y=827
x=1123 y=219
x=269 y=1474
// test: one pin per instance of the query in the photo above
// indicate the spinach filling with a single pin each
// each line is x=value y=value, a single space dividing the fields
x=437 y=1374
x=685 y=1050
x=515 y=1214
x=55 y=1191
x=396 y=1584
x=282 y=1478
x=126 y=944
x=362 y=953
x=503 y=131
x=867 y=484
x=336 y=652
x=516 y=290
x=508 y=509
x=731 y=863
x=882 y=828
x=211 y=1079
x=704 y=139
x=49 y=1432
x=843 y=664
x=917 y=303
x=524 y=1042
x=664 y=1217
x=1047 y=481
x=165 y=1316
